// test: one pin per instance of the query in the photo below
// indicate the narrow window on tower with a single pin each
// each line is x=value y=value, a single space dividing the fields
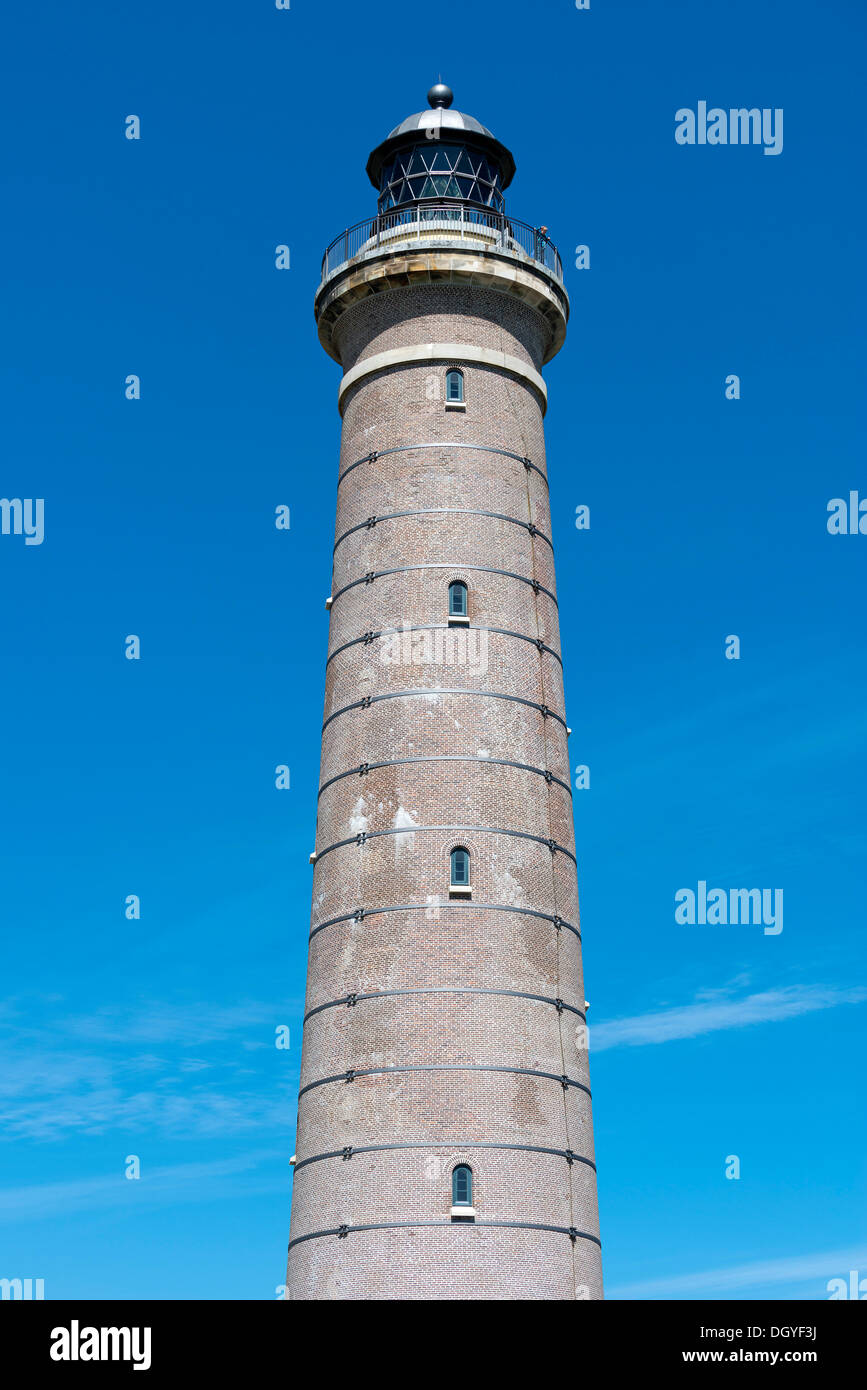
x=455 y=390
x=458 y=606
x=459 y=877
x=462 y=1193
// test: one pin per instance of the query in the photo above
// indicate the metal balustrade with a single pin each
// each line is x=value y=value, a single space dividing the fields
x=418 y=222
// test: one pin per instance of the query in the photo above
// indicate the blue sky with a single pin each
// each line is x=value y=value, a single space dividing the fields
x=708 y=518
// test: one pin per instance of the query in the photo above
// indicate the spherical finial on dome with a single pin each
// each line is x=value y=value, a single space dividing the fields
x=440 y=95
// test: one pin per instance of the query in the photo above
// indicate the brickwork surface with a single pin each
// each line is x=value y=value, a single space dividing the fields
x=478 y=1015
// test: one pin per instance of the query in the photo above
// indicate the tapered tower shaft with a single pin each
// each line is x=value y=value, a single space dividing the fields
x=445 y=1146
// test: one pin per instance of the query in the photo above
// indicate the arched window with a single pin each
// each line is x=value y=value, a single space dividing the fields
x=462 y=1186
x=457 y=600
x=460 y=868
x=454 y=387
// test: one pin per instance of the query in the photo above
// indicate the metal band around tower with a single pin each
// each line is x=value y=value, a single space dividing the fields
x=456 y=1146
x=373 y=521
x=403 y=1225
x=364 y=836
x=571 y=1231
x=455 y=567
x=443 y=352
x=375 y=454
x=352 y=1075
x=368 y=637
x=367 y=700
x=364 y=768
x=360 y=914
x=352 y=1000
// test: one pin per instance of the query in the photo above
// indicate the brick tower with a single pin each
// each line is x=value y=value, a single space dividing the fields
x=445 y=1143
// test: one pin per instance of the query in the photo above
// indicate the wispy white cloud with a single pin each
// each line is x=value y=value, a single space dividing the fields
x=196 y=1111
x=714 y=1014
x=176 y=1069
x=185 y=1182
x=815 y=1269
x=186 y=1024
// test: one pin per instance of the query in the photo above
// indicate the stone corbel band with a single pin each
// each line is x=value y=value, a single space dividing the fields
x=443 y=352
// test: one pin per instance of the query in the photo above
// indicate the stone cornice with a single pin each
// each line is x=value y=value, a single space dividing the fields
x=394 y=270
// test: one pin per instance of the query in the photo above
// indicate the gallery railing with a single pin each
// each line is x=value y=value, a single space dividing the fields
x=420 y=221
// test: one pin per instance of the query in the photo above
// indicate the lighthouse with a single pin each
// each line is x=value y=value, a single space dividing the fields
x=445 y=1141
